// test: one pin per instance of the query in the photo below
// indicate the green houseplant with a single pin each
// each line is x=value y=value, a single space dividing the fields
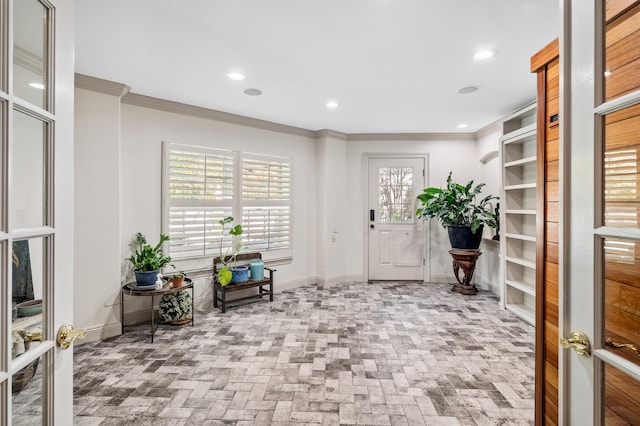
x=458 y=208
x=147 y=260
x=228 y=274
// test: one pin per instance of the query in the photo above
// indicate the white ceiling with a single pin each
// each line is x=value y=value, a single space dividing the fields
x=394 y=66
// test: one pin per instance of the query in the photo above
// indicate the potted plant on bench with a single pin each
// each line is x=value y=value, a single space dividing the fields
x=227 y=273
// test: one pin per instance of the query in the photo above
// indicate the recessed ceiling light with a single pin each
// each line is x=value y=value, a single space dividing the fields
x=462 y=126
x=253 y=92
x=39 y=86
x=481 y=55
x=467 y=90
x=236 y=76
x=332 y=104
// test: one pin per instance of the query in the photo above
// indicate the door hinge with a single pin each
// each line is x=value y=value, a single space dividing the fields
x=422 y=172
x=423 y=262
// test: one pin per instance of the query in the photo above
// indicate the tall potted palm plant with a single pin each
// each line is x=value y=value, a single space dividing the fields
x=460 y=210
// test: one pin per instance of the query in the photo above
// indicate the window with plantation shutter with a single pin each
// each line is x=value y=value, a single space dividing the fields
x=200 y=193
x=266 y=199
x=204 y=185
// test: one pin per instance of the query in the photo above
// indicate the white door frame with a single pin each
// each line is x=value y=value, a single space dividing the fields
x=56 y=233
x=581 y=288
x=365 y=212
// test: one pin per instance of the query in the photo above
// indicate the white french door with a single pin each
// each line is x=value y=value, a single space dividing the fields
x=600 y=98
x=396 y=238
x=36 y=201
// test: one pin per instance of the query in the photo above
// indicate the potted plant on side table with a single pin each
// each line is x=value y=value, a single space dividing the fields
x=458 y=210
x=147 y=260
x=177 y=278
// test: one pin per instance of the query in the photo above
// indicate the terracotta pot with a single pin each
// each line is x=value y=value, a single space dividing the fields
x=177 y=282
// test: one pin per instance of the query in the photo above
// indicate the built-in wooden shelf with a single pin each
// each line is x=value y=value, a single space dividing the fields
x=518 y=213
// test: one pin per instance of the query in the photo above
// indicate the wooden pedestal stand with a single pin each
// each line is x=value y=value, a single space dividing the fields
x=465 y=260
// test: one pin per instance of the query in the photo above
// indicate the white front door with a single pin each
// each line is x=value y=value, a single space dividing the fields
x=36 y=200
x=396 y=239
x=600 y=294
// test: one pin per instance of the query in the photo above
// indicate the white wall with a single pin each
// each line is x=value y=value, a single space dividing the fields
x=446 y=153
x=97 y=257
x=332 y=196
x=488 y=272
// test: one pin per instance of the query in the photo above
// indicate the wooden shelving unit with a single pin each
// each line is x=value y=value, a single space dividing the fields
x=518 y=212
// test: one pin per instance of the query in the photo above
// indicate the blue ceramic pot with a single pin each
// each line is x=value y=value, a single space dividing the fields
x=146 y=278
x=239 y=274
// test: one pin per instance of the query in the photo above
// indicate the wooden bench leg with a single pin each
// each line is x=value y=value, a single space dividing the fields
x=271 y=291
x=224 y=300
x=215 y=296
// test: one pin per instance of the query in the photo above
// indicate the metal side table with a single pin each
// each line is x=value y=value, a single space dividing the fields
x=130 y=289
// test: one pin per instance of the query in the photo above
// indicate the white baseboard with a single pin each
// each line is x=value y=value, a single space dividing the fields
x=488 y=285
x=346 y=278
x=100 y=333
x=447 y=279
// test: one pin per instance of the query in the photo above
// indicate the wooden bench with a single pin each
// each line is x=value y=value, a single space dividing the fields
x=220 y=291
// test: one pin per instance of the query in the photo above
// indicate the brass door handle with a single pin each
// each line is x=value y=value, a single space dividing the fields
x=66 y=336
x=634 y=348
x=29 y=336
x=578 y=341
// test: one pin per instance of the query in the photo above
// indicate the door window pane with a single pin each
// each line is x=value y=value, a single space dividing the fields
x=622 y=55
x=622 y=298
x=30 y=68
x=3 y=166
x=395 y=194
x=621 y=397
x=26 y=395
x=28 y=267
x=621 y=174
x=28 y=177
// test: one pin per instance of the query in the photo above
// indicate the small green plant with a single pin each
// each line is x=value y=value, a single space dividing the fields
x=180 y=274
x=457 y=205
x=231 y=254
x=146 y=257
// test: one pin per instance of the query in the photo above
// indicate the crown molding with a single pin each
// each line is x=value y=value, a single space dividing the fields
x=328 y=133
x=411 y=136
x=210 y=114
x=493 y=127
x=101 y=86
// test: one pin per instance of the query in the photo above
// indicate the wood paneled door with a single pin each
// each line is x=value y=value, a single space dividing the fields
x=546 y=64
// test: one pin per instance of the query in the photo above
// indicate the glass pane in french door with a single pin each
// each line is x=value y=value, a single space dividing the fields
x=28 y=172
x=621 y=398
x=26 y=394
x=30 y=51
x=622 y=50
x=28 y=292
x=621 y=334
